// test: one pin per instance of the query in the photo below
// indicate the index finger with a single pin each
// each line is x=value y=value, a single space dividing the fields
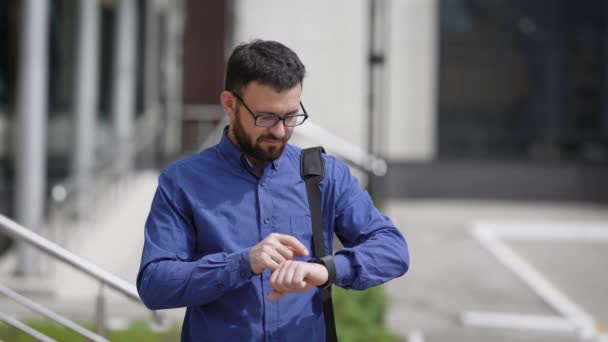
x=275 y=295
x=298 y=248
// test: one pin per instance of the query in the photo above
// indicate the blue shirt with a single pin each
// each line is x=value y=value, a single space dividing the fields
x=211 y=208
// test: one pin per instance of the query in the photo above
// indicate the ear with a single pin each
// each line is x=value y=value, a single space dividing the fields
x=228 y=104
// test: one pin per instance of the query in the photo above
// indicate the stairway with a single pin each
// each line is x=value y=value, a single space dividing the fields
x=112 y=239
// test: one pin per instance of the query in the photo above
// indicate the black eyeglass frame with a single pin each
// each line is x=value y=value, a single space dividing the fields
x=274 y=116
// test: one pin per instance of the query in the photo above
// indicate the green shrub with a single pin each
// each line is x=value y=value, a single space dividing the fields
x=360 y=315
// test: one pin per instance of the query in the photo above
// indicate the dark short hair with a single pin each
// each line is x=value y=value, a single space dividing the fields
x=267 y=62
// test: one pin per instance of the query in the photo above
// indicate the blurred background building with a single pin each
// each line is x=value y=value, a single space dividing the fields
x=473 y=99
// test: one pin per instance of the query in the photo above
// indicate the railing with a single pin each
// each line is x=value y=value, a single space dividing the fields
x=345 y=150
x=104 y=277
x=348 y=152
x=44 y=312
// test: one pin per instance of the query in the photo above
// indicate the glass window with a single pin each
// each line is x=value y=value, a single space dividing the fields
x=523 y=80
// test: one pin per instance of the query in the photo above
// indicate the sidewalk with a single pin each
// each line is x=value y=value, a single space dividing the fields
x=451 y=273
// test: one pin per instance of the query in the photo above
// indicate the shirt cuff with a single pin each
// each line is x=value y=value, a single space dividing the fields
x=344 y=271
x=239 y=268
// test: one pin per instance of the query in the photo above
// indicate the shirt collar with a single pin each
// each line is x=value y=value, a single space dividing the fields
x=234 y=155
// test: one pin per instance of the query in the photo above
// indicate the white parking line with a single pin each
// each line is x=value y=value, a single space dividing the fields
x=415 y=336
x=518 y=321
x=580 y=232
x=489 y=235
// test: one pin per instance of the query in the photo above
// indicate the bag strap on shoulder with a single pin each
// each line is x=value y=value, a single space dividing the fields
x=312 y=171
x=311 y=163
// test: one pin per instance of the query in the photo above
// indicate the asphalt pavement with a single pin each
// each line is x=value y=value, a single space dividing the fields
x=451 y=273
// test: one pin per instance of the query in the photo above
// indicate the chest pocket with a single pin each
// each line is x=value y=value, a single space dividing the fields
x=298 y=226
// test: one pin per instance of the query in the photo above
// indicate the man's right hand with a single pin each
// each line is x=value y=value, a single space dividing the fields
x=273 y=251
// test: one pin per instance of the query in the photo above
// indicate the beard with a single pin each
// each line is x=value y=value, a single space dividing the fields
x=254 y=149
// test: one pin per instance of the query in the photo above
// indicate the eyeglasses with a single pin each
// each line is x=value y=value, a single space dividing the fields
x=270 y=120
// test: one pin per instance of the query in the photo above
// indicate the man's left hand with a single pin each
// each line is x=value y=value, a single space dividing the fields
x=296 y=276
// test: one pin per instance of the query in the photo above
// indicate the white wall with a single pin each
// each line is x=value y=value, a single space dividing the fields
x=331 y=39
x=412 y=77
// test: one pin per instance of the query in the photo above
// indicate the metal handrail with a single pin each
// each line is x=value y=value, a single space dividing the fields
x=15 y=323
x=104 y=277
x=51 y=315
x=20 y=232
x=216 y=133
x=343 y=149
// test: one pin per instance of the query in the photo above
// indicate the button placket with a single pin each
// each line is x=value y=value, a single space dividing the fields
x=265 y=206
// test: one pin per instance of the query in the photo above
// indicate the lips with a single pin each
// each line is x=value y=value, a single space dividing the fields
x=273 y=142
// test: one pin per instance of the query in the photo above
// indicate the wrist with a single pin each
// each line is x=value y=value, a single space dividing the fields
x=328 y=262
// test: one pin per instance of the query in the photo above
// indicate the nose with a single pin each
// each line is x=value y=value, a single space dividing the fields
x=278 y=130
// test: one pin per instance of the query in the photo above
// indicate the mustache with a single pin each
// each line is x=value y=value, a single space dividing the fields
x=272 y=137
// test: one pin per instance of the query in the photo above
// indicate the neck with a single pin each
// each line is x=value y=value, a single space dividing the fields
x=257 y=165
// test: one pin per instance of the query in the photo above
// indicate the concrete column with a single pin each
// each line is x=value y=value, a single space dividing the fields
x=172 y=65
x=86 y=97
x=604 y=121
x=379 y=38
x=151 y=86
x=124 y=73
x=152 y=60
x=32 y=96
x=411 y=126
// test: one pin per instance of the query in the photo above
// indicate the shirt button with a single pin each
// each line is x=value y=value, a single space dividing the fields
x=267 y=220
x=219 y=285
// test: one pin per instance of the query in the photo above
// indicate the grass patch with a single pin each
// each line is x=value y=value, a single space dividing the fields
x=137 y=331
x=359 y=317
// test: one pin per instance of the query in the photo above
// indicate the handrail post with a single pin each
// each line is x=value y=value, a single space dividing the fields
x=100 y=311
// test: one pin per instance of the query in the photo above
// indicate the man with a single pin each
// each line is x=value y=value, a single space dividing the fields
x=229 y=232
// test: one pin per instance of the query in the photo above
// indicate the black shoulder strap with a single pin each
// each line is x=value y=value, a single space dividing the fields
x=311 y=163
x=312 y=171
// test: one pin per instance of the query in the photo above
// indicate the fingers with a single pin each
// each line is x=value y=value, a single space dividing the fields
x=285 y=251
x=274 y=278
x=264 y=261
x=277 y=257
x=262 y=258
x=275 y=250
x=299 y=277
x=290 y=277
x=274 y=295
x=277 y=279
x=296 y=246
